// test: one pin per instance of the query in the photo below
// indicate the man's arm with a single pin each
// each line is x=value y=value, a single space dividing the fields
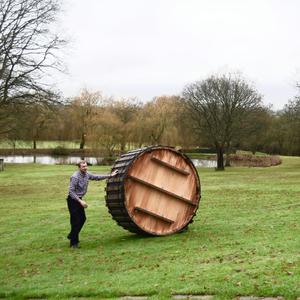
x=83 y=203
x=101 y=177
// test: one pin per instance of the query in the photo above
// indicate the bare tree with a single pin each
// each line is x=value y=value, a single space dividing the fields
x=85 y=107
x=289 y=121
x=29 y=49
x=220 y=109
x=155 y=119
x=39 y=115
x=126 y=111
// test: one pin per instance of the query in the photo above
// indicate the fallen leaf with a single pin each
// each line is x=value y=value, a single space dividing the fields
x=239 y=283
x=256 y=288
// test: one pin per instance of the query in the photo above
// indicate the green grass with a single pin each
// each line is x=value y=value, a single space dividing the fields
x=244 y=241
x=250 y=153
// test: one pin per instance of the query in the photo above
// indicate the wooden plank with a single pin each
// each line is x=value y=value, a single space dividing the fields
x=122 y=164
x=113 y=197
x=154 y=215
x=113 y=188
x=125 y=158
x=169 y=166
x=162 y=190
x=114 y=179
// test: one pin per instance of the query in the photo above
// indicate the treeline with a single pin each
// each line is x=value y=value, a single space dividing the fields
x=103 y=122
x=221 y=112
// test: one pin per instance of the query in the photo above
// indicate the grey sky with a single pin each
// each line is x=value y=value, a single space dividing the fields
x=141 y=48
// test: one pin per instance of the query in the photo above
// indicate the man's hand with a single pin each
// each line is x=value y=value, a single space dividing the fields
x=114 y=173
x=83 y=203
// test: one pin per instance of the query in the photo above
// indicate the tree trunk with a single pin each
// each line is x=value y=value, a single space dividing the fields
x=123 y=143
x=220 y=165
x=34 y=143
x=227 y=164
x=82 y=141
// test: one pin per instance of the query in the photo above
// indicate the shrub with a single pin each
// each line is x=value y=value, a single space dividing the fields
x=59 y=150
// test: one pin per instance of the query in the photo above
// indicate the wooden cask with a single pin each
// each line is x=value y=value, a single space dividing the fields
x=156 y=192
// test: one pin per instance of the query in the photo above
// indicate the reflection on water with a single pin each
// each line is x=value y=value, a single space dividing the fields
x=205 y=163
x=55 y=160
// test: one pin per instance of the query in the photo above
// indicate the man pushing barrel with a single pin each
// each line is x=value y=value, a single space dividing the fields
x=78 y=187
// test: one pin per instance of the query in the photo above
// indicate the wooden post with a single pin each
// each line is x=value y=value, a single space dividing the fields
x=1 y=164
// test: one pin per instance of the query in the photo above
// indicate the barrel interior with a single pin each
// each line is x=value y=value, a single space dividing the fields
x=162 y=191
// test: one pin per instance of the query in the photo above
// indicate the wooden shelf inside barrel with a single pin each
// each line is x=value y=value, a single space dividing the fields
x=153 y=214
x=161 y=189
x=169 y=165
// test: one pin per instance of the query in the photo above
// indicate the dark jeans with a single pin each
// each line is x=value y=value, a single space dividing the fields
x=77 y=219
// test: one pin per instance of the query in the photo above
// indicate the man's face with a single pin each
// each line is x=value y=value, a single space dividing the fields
x=83 y=168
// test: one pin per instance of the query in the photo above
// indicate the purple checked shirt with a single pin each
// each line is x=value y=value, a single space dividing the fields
x=79 y=183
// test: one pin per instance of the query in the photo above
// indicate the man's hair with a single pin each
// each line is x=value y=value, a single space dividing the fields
x=81 y=162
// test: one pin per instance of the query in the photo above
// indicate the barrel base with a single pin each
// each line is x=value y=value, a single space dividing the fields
x=156 y=192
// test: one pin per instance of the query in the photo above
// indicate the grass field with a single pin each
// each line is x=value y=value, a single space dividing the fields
x=244 y=240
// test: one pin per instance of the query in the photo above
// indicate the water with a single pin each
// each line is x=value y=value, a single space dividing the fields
x=204 y=163
x=55 y=160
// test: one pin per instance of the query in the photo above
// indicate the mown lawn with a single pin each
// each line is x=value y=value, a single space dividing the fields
x=244 y=241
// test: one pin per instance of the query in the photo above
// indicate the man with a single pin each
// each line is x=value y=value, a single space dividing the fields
x=78 y=187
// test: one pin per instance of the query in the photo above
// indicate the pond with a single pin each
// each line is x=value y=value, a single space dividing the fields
x=55 y=160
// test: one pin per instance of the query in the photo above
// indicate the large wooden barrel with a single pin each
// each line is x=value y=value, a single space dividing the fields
x=156 y=192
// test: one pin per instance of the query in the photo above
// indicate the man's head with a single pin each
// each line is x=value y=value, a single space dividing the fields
x=82 y=167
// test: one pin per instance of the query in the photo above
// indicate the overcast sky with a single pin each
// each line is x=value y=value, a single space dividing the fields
x=143 y=48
